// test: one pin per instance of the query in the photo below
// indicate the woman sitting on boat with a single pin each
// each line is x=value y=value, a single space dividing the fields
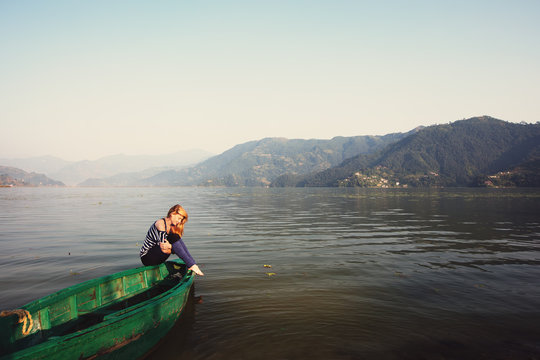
x=165 y=237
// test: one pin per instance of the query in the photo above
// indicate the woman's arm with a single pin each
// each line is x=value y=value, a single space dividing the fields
x=165 y=246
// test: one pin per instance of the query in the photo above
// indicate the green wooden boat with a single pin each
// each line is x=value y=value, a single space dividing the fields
x=119 y=316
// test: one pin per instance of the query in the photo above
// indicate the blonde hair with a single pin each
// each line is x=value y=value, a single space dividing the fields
x=178 y=229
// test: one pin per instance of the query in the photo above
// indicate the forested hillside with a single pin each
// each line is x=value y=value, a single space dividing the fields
x=257 y=163
x=462 y=153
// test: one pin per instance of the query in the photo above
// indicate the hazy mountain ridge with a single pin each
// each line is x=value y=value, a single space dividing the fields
x=11 y=176
x=75 y=172
x=455 y=154
x=39 y=164
x=118 y=164
x=123 y=179
x=257 y=163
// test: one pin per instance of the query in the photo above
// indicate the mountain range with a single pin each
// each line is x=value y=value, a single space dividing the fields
x=481 y=151
x=257 y=163
x=462 y=153
x=10 y=176
x=75 y=172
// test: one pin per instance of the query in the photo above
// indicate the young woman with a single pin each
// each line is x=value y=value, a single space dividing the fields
x=165 y=237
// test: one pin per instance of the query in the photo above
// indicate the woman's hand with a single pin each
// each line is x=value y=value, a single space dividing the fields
x=165 y=246
x=196 y=270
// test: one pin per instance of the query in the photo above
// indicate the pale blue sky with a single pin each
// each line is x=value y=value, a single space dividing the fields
x=85 y=79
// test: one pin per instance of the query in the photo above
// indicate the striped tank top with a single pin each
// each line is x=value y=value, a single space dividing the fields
x=153 y=238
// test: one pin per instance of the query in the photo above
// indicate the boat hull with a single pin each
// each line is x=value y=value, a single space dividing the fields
x=108 y=320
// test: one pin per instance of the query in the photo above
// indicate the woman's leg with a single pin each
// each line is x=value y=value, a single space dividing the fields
x=154 y=256
x=180 y=249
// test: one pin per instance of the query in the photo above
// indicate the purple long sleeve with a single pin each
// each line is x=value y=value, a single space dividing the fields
x=180 y=249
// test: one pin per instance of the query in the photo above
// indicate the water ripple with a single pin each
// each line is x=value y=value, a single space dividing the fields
x=354 y=273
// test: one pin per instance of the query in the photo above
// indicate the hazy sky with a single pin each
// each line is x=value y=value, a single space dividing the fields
x=86 y=79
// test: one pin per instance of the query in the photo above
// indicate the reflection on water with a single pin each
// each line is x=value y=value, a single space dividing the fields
x=354 y=273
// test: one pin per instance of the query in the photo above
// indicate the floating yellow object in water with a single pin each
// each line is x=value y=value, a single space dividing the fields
x=267 y=266
x=270 y=274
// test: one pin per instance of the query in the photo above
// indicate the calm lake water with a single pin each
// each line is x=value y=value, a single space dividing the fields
x=355 y=273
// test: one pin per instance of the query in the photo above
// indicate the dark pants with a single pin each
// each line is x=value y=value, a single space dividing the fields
x=154 y=256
